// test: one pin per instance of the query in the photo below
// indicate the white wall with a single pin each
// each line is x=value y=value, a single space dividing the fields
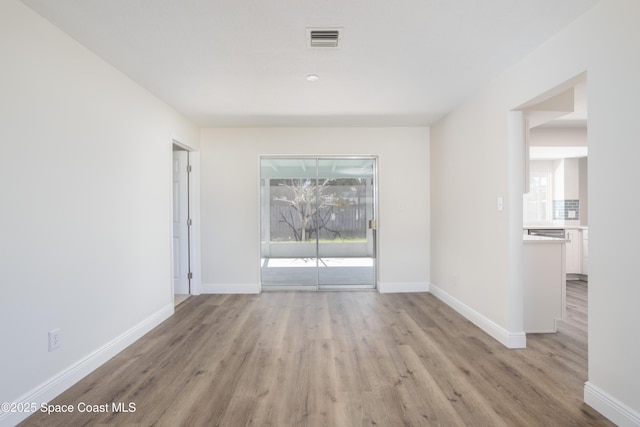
x=230 y=198
x=559 y=177
x=85 y=178
x=469 y=164
x=583 y=184
x=558 y=137
x=571 y=179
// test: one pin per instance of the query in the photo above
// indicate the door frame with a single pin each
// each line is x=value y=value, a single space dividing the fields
x=375 y=233
x=194 y=213
x=518 y=127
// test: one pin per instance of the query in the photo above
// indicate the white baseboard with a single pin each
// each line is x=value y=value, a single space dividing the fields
x=254 y=288
x=506 y=338
x=610 y=407
x=230 y=288
x=57 y=384
x=402 y=287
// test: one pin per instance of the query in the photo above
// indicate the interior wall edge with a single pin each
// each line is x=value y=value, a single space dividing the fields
x=511 y=340
x=609 y=406
x=62 y=381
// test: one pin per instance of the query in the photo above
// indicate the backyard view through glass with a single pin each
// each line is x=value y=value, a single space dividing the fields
x=317 y=223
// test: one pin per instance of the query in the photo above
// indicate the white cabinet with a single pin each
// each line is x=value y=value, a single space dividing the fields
x=574 y=251
x=544 y=289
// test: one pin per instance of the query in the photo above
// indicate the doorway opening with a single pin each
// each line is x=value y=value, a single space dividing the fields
x=318 y=223
x=555 y=201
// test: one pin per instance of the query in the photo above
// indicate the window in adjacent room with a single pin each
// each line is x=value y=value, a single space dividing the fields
x=537 y=202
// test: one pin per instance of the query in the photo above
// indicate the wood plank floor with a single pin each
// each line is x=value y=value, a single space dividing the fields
x=179 y=299
x=337 y=359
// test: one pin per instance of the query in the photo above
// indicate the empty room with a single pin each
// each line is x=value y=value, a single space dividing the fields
x=331 y=213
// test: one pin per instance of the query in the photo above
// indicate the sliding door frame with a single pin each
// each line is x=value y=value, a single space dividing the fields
x=374 y=193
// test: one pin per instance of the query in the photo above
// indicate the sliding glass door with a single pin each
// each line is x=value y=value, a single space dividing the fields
x=346 y=228
x=318 y=228
x=288 y=243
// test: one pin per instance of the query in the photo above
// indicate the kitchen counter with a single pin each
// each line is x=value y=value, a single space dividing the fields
x=555 y=227
x=576 y=246
x=542 y=239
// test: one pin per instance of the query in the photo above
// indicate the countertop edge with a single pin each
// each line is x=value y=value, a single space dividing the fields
x=542 y=239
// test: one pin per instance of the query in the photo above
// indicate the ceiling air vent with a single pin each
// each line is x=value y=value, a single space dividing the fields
x=324 y=38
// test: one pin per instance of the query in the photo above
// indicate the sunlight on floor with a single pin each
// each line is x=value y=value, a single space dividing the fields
x=311 y=262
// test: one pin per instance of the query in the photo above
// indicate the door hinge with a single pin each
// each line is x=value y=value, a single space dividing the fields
x=190 y=276
x=189 y=222
x=188 y=168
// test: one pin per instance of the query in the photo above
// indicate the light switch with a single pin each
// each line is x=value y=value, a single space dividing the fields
x=500 y=204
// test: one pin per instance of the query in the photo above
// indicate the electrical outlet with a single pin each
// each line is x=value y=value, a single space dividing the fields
x=54 y=339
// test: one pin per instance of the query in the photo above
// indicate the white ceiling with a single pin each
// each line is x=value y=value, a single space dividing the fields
x=245 y=62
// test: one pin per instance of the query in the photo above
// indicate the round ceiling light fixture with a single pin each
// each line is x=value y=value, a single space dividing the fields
x=313 y=77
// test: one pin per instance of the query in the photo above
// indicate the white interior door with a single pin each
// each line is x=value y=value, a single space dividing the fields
x=180 y=222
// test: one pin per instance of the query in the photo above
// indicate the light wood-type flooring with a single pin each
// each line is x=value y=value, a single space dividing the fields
x=337 y=359
x=179 y=299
